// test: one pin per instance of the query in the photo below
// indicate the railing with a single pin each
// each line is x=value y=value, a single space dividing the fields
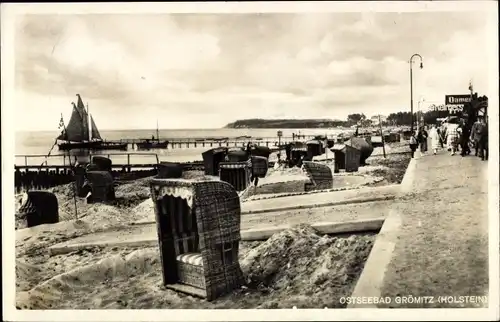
x=211 y=140
x=26 y=157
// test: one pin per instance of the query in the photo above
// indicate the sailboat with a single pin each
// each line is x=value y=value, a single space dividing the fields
x=153 y=143
x=79 y=135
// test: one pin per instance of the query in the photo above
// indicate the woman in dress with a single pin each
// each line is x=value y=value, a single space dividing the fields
x=452 y=137
x=435 y=139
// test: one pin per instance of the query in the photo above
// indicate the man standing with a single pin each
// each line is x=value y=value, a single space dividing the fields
x=473 y=137
x=479 y=136
x=464 y=139
x=483 y=140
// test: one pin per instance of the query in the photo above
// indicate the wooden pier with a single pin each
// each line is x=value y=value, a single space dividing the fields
x=181 y=143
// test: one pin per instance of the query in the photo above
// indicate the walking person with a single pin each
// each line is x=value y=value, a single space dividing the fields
x=413 y=144
x=435 y=138
x=452 y=137
x=422 y=140
x=440 y=136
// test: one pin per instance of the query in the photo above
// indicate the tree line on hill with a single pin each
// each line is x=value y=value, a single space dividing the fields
x=394 y=119
x=398 y=119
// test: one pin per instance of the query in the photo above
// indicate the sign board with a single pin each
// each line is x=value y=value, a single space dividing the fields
x=457 y=99
x=280 y=134
x=451 y=108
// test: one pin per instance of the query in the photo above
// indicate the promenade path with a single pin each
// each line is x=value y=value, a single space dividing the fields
x=441 y=235
x=320 y=198
x=342 y=206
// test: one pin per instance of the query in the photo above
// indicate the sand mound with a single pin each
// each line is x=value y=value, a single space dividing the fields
x=144 y=211
x=78 y=284
x=25 y=275
x=35 y=240
x=295 y=267
x=305 y=269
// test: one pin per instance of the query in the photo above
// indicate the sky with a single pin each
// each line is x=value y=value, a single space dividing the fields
x=205 y=70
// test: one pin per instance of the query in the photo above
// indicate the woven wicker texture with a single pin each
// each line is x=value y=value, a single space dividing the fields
x=259 y=166
x=101 y=184
x=321 y=175
x=210 y=227
x=39 y=207
x=236 y=173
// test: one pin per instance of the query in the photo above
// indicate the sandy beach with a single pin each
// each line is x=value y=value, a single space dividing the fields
x=318 y=269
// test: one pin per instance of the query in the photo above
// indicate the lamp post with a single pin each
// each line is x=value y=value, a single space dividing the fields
x=411 y=84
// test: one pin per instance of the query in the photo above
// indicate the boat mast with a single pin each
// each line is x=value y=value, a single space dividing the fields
x=157 y=131
x=90 y=123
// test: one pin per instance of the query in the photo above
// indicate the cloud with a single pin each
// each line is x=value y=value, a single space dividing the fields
x=212 y=69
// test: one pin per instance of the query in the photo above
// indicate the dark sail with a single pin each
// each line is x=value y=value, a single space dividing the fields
x=78 y=126
x=75 y=130
x=95 y=132
x=81 y=108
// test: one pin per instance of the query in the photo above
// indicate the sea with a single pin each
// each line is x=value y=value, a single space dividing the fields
x=38 y=144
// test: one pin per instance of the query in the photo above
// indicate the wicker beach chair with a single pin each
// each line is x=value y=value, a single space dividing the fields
x=298 y=151
x=320 y=175
x=38 y=208
x=237 y=155
x=168 y=170
x=198 y=223
x=259 y=166
x=101 y=186
x=102 y=163
x=211 y=160
x=260 y=151
x=236 y=173
x=79 y=174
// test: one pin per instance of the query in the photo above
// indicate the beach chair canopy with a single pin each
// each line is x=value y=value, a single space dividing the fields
x=170 y=170
x=261 y=151
x=237 y=155
x=39 y=207
x=211 y=160
x=102 y=163
x=364 y=145
x=199 y=232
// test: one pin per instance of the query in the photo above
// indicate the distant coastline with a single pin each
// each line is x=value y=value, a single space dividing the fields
x=286 y=124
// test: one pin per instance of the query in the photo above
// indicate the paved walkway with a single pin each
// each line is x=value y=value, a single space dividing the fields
x=320 y=198
x=440 y=243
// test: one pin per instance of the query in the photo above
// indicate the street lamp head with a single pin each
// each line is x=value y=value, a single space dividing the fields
x=421 y=65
